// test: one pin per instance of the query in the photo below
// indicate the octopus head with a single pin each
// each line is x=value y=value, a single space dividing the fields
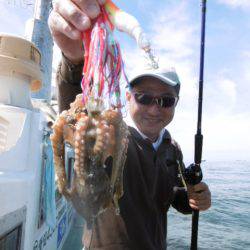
x=94 y=106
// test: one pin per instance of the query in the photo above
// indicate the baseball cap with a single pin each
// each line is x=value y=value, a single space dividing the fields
x=166 y=75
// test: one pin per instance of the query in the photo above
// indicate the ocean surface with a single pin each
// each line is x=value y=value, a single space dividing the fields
x=225 y=226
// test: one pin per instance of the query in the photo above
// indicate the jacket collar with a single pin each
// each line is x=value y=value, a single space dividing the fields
x=166 y=137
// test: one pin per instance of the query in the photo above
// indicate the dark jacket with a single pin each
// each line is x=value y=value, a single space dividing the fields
x=152 y=182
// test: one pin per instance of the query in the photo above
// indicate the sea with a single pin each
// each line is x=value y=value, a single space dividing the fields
x=225 y=226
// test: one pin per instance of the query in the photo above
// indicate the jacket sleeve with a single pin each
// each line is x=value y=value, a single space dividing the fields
x=68 y=79
x=180 y=201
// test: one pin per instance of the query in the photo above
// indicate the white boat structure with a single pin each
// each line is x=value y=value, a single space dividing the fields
x=33 y=215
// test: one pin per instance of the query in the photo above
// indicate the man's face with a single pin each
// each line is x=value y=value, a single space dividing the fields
x=150 y=119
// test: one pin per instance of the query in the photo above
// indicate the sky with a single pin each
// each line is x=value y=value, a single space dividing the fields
x=173 y=27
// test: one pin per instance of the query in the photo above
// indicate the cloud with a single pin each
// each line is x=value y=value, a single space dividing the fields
x=143 y=4
x=230 y=136
x=57 y=55
x=174 y=34
x=244 y=77
x=246 y=54
x=226 y=136
x=228 y=88
x=11 y=20
x=220 y=95
x=27 y=4
x=236 y=3
x=175 y=41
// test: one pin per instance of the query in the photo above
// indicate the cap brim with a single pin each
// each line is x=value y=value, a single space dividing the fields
x=165 y=80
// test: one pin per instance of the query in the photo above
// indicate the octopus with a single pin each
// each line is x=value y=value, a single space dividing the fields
x=95 y=134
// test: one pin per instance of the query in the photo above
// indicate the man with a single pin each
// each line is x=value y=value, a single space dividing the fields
x=153 y=169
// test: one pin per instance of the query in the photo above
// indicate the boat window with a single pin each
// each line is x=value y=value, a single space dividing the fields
x=12 y=239
x=4 y=127
x=42 y=218
x=47 y=179
x=69 y=169
x=69 y=160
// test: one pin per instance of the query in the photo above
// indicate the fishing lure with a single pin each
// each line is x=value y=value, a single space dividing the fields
x=103 y=60
x=127 y=23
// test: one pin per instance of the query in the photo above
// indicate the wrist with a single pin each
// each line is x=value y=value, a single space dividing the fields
x=70 y=71
x=72 y=61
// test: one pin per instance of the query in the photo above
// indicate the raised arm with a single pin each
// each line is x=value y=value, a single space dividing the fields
x=68 y=19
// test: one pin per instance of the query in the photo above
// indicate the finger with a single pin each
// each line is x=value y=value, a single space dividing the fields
x=193 y=202
x=200 y=208
x=101 y=2
x=90 y=7
x=204 y=204
x=193 y=207
x=72 y=14
x=200 y=196
x=199 y=202
x=58 y=25
x=200 y=187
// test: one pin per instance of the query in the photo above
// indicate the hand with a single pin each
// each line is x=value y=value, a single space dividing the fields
x=66 y=22
x=199 y=196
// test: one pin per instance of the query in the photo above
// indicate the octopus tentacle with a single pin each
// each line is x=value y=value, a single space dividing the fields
x=81 y=128
x=101 y=139
x=58 y=149
x=110 y=150
x=119 y=162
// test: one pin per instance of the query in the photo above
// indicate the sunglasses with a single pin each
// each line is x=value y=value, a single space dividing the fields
x=163 y=101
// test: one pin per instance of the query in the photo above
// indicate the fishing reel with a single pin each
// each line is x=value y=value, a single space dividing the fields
x=193 y=174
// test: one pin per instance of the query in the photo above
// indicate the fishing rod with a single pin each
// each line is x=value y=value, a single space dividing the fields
x=193 y=173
